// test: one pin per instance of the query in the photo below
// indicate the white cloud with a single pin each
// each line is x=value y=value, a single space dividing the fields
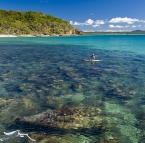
x=143 y=21
x=123 y=20
x=71 y=22
x=133 y=26
x=77 y=23
x=88 y=30
x=94 y=24
x=127 y=26
x=117 y=26
x=99 y=22
x=89 y=22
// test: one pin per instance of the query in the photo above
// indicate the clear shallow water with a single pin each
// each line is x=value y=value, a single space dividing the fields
x=37 y=74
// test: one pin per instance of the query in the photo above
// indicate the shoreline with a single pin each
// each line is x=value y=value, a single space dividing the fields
x=5 y=35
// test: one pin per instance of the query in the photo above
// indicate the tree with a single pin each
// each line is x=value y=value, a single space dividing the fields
x=19 y=22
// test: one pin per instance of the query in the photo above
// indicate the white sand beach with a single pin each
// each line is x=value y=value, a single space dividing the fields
x=3 y=35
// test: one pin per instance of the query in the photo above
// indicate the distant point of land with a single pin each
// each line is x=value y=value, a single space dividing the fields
x=134 y=32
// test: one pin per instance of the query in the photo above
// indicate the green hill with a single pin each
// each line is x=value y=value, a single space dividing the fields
x=34 y=23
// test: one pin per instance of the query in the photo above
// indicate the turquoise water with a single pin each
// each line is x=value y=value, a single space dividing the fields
x=133 y=43
x=40 y=73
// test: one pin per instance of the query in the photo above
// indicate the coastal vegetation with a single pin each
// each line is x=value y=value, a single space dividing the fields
x=34 y=23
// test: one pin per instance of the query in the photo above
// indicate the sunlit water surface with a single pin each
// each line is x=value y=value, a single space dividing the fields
x=41 y=73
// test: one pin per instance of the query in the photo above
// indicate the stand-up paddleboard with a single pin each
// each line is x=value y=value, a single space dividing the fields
x=85 y=60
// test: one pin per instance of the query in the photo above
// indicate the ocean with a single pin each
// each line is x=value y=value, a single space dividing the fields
x=105 y=100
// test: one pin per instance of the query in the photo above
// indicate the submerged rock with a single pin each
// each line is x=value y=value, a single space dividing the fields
x=63 y=138
x=72 y=100
x=65 y=118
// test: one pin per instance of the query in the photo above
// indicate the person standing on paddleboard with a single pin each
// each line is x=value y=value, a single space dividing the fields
x=92 y=57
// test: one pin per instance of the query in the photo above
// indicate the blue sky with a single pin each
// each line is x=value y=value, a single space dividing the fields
x=88 y=15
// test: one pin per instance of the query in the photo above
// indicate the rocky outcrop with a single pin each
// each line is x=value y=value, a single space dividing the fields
x=65 y=118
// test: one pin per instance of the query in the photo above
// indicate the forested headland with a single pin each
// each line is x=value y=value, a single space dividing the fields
x=34 y=23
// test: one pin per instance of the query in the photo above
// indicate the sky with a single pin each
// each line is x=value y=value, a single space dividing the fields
x=88 y=15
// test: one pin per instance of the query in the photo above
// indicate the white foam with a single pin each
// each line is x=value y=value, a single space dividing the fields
x=15 y=134
x=10 y=133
